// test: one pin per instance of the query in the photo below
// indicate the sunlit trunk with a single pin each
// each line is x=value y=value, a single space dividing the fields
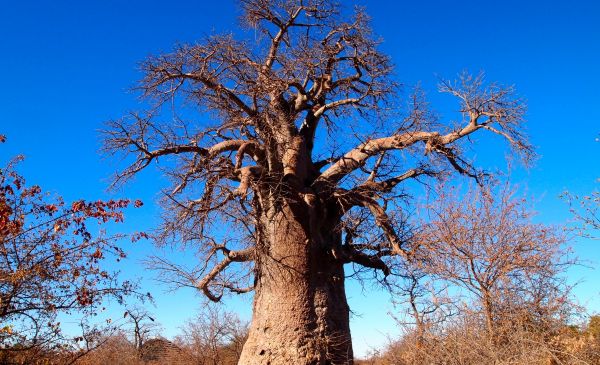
x=300 y=316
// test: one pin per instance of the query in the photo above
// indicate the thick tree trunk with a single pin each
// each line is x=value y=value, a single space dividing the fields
x=300 y=316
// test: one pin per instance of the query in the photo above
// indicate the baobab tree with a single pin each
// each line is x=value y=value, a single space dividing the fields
x=294 y=170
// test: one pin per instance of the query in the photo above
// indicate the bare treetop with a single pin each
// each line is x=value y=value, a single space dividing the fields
x=305 y=70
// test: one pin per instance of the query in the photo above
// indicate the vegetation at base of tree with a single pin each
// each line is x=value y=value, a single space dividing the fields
x=465 y=341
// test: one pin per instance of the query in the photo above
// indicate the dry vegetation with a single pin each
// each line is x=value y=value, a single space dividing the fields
x=487 y=287
x=465 y=341
x=215 y=337
x=476 y=281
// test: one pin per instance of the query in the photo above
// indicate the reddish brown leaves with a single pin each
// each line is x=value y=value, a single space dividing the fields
x=97 y=254
x=138 y=236
x=51 y=257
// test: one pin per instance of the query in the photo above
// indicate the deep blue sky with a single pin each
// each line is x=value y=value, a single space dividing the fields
x=67 y=66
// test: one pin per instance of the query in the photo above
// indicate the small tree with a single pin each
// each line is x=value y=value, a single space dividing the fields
x=144 y=325
x=425 y=300
x=301 y=136
x=49 y=261
x=484 y=242
x=215 y=337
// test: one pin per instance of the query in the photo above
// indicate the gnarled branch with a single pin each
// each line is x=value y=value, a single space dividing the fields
x=230 y=256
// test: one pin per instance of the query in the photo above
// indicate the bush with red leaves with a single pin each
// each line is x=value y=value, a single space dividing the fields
x=50 y=260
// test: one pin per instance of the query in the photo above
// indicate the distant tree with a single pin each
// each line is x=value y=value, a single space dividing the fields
x=215 y=337
x=143 y=325
x=424 y=299
x=301 y=135
x=50 y=262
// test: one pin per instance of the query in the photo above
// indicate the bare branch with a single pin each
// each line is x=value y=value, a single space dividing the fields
x=370 y=261
x=382 y=220
x=246 y=174
x=388 y=185
x=358 y=156
x=230 y=256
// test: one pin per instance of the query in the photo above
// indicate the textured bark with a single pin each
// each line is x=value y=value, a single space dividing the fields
x=300 y=311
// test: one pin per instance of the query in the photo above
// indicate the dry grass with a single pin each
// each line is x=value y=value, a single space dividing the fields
x=468 y=343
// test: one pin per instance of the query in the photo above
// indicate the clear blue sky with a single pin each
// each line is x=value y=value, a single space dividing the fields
x=67 y=66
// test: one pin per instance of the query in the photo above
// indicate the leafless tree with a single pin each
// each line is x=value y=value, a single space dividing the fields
x=484 y=241
x=144 y=325
x=424 y=299
x=215 y=337
x=115 y=349
x=294 y=167
x=506 y=274
x=586 y=210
